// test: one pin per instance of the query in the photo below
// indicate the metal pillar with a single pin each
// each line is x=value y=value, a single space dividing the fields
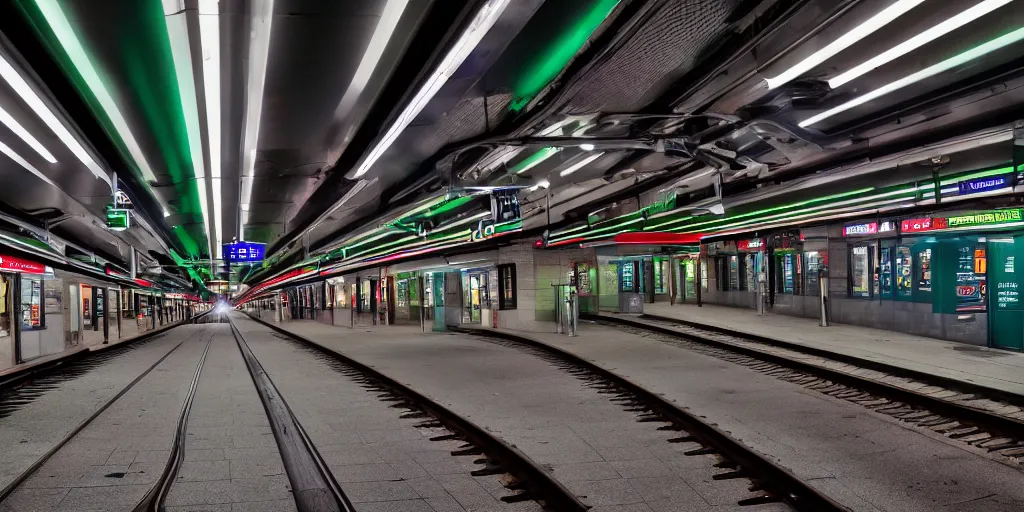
x=823 y=291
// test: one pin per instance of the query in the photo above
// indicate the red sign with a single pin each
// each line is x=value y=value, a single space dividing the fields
x=13 y=264
x=756 y=244
x=922 y=224
x=966 y=290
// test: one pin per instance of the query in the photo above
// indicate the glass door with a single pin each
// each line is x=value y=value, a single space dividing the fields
x=474 y=293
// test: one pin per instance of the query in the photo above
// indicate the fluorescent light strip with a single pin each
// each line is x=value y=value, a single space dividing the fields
x=946 y=65
x=61 y=27
x=859 y=32
x=24 y=163
x=259 y=49
x=371 y=57
x=29 y=96
x=181 y=53
x=919 y=40
x=535 y=159
x=481 y=24
x=24 y=135
x=209 y=35
x=581 y=164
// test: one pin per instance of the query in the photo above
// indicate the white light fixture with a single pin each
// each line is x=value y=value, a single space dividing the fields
x=579 y=165
x=167 y=214
x=919 y=40
x=481 y=24
x=181 y=53
x=29 y=96
x=24 y=163
x=859 y=32
x=19 y=130
x=541 y=184
x=209 y=35
x=61 y=27
x=259 y=49
x=587 y=146
x=928 y=72
x=371 y=57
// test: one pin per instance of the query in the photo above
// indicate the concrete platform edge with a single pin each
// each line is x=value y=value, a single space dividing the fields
x=18 y=374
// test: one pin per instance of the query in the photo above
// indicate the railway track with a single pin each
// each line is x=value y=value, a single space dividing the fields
x=769 y=482
x=516 y=471
x=28 y=473
x=967 y=413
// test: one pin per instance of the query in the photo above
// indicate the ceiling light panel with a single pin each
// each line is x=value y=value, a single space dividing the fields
x=259 y=49
x=935 y=69
x=883 y=18
x=209 y=35
x=467 y=42
x=921 y=39
x=24 y=163
x=385 y=28
x=24 y=135
x=581 y=164
x=34 y=102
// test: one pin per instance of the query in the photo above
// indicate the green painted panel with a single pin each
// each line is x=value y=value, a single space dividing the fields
x=1006 y=318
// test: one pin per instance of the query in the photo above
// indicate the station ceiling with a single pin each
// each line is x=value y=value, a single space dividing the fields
x=348 y=132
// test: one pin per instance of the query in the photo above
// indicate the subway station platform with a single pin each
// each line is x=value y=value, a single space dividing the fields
x=1000 y=370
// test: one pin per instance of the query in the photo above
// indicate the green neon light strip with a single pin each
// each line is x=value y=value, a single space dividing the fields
x=61 y=27
x=533 y=160
x=749 y=214
x=560 y=53
x=775 y=208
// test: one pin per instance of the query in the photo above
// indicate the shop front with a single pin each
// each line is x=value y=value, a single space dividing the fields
x=950 y=276
x=31 y=311
x=476 y=295
x=735 y=267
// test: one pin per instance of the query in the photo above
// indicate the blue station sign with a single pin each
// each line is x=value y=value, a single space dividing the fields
x=983 y=184
x=244 y=252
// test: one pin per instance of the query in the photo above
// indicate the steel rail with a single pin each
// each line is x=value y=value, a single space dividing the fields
x=1001 y=426
x=534 y=481
x=314 y=488
x=779 y=482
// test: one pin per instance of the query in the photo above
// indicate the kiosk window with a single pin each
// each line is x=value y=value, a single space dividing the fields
x=750 y=269
x=659 y=276
x=428 y=289
x=507 y=286
x=734 y=272
x=923 y=270
x=814 y=261
x=704 y=274
x=903 y=267
x=31 y=303
x=364 y=296
x=860 y=272
x=885 y=277
x=786 y=266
